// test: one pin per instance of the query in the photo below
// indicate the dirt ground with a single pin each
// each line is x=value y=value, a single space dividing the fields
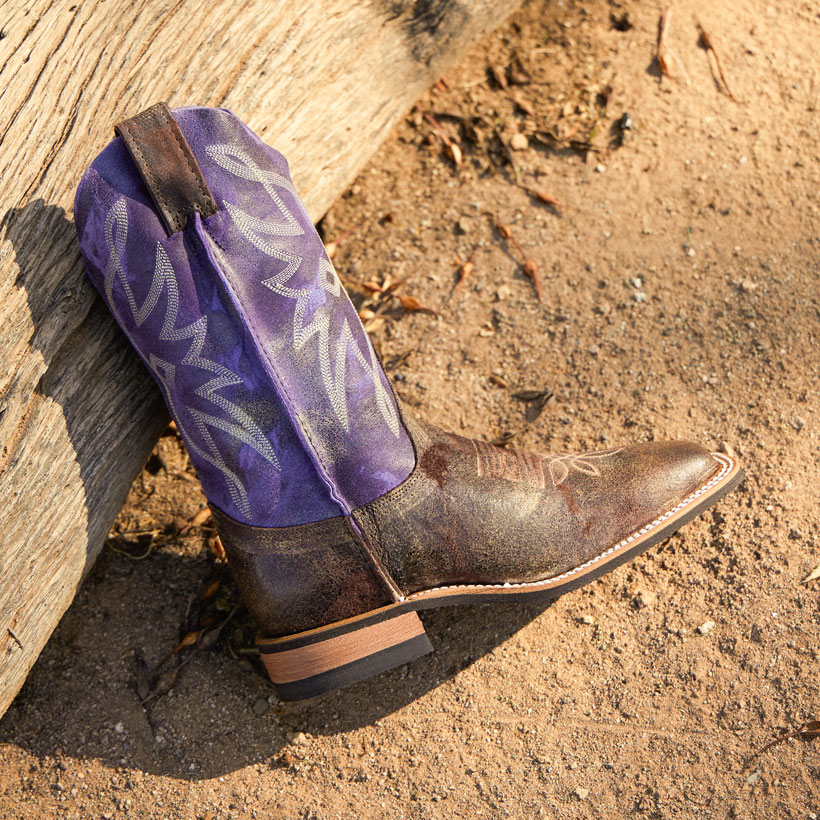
x=680 y=278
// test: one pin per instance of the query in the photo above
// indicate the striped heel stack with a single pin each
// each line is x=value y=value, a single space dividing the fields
x=321 y=660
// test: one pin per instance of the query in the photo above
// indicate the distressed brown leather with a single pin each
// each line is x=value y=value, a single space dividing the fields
x=469 y=513
x=297 y=578
x=167 y=166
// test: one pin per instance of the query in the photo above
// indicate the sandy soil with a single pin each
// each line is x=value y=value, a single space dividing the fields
x=680 y=299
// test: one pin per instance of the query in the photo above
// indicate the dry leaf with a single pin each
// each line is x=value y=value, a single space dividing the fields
x=517 y=74
x=498 y=381
x=373 y=287
x=531 y=269
x=454 y=152
x=189 y=640
x=503 y=439
x=464 y=272
x=210 y=590
x=375 y=325
x=531 y=395
x=391 y=284
x=499 y=77
x=503 y=230
x=412 y=304
x=542 y=196
x=524 y=105
x=535 y=408
x=536 y=402
x=216 y=547
x=198 y=520
x=813 y=575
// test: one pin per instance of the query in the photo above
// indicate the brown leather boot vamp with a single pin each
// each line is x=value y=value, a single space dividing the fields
x=336 y=600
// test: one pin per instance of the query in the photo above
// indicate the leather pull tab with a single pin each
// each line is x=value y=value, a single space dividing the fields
x=167 y=166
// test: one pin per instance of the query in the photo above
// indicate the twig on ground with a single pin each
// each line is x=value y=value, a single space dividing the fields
x=665 y=54
x=465 y=270
x=808 y=731
x=151 y=544
x=708 y=44
x=528 y=266
x=509 y=155
x=332 y=247
x=452 y=147
x=663 y=63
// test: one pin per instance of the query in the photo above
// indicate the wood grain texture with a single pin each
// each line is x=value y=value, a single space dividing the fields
x=322 y=81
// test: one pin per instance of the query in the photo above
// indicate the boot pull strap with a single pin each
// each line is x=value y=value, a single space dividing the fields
x=167 y=166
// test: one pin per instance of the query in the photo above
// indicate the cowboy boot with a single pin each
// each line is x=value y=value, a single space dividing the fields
x=341 y=516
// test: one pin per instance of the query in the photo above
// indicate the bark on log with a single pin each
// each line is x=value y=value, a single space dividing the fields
x=322 y=80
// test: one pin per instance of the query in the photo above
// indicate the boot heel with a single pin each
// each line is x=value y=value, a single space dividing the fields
x=321 y=660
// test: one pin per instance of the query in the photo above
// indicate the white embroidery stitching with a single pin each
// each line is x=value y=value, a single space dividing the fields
x=520 y=467
x=238 y=424
x=332 y=358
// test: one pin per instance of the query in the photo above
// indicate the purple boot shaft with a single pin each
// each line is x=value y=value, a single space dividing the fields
x=247 y=330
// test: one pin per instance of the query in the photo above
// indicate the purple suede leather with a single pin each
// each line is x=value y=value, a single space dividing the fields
x=241 y=319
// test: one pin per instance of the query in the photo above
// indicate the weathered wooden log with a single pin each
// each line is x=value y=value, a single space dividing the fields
x=322 y=80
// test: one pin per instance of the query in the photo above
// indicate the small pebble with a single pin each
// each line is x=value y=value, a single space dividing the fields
x=639 y=296
x=297 y=738
x=519 y=142
x=706 y=627
x=260 y=706
x=753 y=778
x=586 y=619
x=600 y=168
x=797 y=423
x=464 y=226
x=643 y=598
x=581 y=793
